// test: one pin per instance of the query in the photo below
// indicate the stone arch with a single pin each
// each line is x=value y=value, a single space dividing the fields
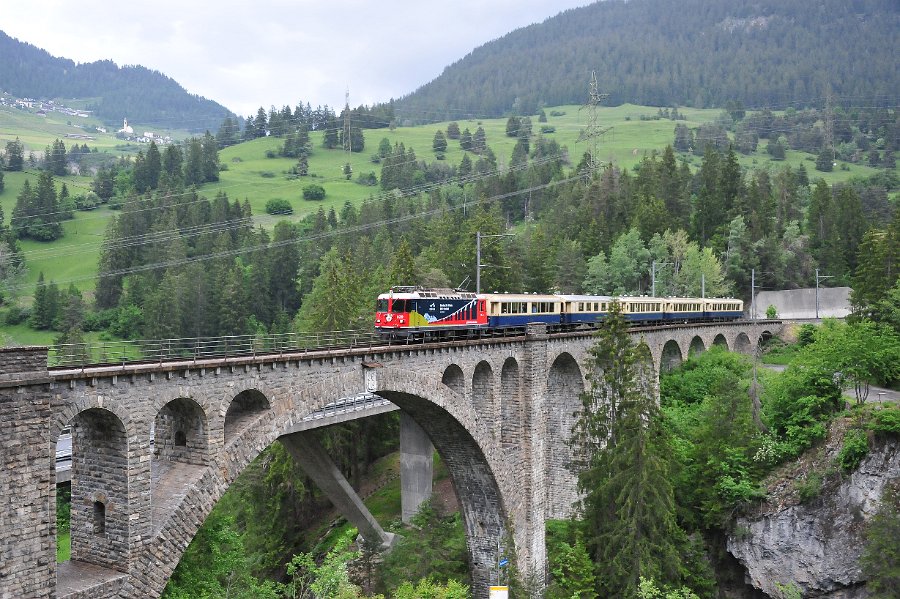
x=565 y=384
x=671 y=356
x=697 y=346
x=721 y=341
x=100 y=495
x=243 y=410
x=453 y=378
x=181 y=432
x=510 y=405
x=742 y=343
x=470 y=452
x=483 y=390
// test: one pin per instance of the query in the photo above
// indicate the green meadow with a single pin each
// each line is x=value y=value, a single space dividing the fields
x=249 y=174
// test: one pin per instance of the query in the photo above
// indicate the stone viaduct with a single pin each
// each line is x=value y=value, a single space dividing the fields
x=497 y=410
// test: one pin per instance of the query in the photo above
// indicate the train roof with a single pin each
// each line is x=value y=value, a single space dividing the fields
x=423 y=293
x=520 y=297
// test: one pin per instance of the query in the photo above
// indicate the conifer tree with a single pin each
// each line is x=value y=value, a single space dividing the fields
x=622 y=458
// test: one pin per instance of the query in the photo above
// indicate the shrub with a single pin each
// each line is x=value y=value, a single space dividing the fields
x=16 y=315
x=271 y=154
x=548 y=129
x=771 y=312
x=279 y=206
x=810 y=487
x=806 y=334
x=313 y=192
x=267 y=175
x=886 y=420
x=856 y=447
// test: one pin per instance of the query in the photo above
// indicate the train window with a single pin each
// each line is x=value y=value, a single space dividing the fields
x=400 y=306
x=381 y=305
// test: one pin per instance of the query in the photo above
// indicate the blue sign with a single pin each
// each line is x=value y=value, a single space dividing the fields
x=503 y=562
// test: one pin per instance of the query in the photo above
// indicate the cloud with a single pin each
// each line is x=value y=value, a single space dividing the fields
x=278 y=51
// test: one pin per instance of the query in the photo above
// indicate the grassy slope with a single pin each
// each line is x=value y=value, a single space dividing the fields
x=252 y=176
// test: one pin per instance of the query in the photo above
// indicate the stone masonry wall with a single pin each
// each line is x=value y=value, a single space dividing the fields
x=100 y=513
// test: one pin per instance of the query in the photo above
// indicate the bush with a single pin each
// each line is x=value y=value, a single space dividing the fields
x=806 y=334
x=810 y=487
x=16 y=315
x=856 y=447
x=886 y=420
x=771 y=312
x=279 y=206
x=313 y=192
x=548 y=129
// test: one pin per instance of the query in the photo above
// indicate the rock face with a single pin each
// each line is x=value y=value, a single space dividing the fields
x=815 y=545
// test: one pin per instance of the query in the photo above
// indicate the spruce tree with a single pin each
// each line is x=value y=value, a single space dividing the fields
x=622 y=459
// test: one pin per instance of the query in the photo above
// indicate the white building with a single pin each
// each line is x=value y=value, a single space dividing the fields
x=126 y=128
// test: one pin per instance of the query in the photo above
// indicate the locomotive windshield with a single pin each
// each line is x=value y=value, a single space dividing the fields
x=381 y=305
x=400 y=306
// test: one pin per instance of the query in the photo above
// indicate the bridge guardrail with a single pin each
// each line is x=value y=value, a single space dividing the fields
x=68 y=355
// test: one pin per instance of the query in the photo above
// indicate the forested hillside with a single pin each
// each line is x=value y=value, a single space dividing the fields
x=774 y=53
x=130 y=91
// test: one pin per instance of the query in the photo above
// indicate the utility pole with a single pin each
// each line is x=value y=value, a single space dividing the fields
x=752 y=294
x=818 y=276
x=349 y=138
x=593 y=131
x=478 y=265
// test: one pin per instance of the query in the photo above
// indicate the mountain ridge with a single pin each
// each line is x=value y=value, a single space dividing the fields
x=130 y=91
x=766 y=53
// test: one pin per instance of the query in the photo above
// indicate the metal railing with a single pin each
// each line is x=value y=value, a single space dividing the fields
x=70 y=355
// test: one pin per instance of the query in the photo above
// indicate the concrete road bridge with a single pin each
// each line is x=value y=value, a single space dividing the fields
x=497 y=410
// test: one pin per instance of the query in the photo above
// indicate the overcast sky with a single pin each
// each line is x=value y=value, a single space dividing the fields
x=250 y=54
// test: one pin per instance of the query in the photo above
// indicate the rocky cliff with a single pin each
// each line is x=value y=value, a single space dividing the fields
x=816 y=544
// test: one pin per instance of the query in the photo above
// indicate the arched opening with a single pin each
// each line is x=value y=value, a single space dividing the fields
x=473 y=481
x=565 y=385
x=63 y=502
x=742 y=344
x=244 y=409
x=510 y=405
x=100 y=500
x=697 y=347
x=720 y=341
x=99 y=518
x=483 y=391
x=671 y=356
x=453 y=378
x=180 y=432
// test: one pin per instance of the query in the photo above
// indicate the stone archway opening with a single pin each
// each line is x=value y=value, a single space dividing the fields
x=180 y=433
x=697 y=346
x=742 y=344
x=478 y=492
x=720 y=341
x=510 y=405
x=483 y=391
x=244 y=409
x=565 y=384
x=63 y=487
x=100 y=500
x=453 y=378
x=671 y=356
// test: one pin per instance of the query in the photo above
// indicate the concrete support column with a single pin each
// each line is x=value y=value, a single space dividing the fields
x=27 y=481
x=314 y=460
x=533 y=561
x=416 y=466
